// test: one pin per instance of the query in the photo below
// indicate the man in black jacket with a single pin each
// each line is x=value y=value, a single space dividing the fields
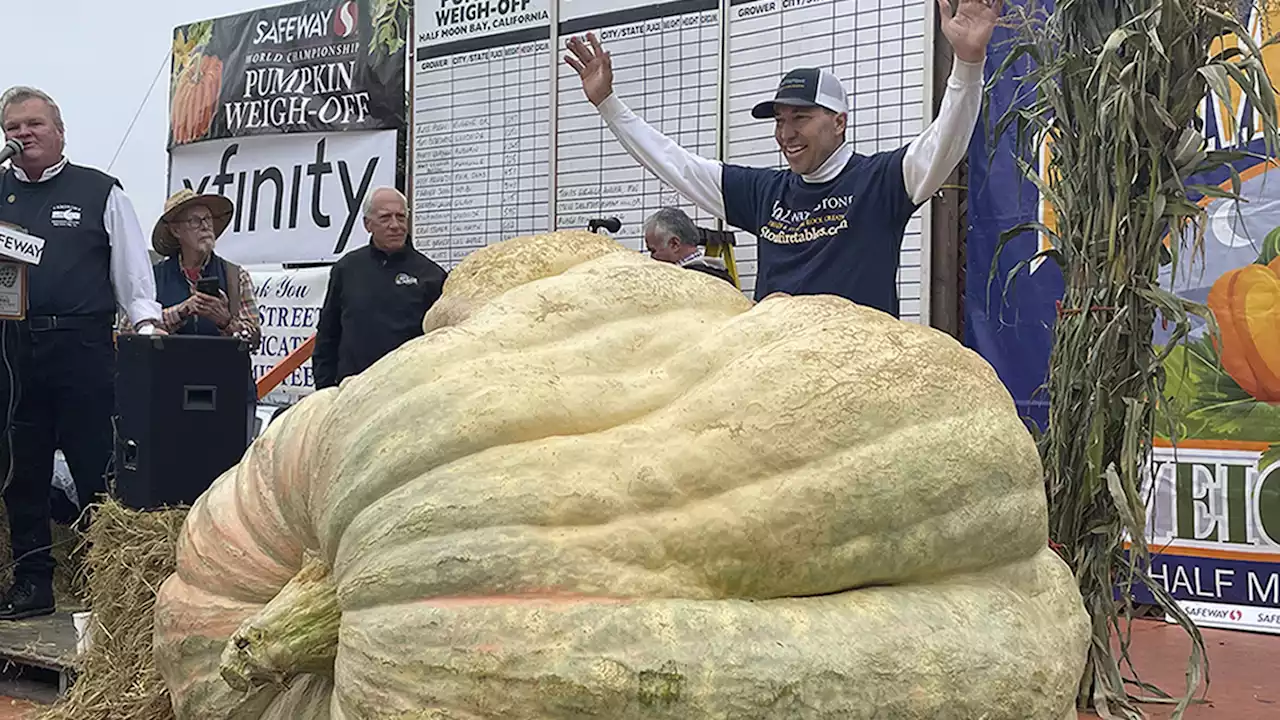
x=670 y=236
x=377 y=294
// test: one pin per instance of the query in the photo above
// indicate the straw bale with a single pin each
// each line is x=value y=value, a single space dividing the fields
x=68 y=576
x=130 y=554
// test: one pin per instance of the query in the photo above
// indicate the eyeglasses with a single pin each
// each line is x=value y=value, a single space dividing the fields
x=195 y=223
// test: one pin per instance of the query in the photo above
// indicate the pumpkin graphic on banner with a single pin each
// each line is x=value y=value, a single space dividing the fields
x=1227 y=387
x=198 y=84
x=1246 y=304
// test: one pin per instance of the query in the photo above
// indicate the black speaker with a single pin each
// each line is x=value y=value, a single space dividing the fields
x=183 y=406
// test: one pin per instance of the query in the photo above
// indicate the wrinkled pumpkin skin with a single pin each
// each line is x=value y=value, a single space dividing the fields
x=603 y=486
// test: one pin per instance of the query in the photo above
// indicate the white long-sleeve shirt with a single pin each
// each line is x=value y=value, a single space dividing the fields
x=929 y=159
x=131 y=275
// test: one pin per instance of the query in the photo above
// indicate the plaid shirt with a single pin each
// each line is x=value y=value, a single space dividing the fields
x=244 y=319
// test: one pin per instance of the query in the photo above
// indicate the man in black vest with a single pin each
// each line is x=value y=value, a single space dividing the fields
x=95 y=260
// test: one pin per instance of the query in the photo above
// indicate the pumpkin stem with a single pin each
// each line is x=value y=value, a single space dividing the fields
x=295 y=633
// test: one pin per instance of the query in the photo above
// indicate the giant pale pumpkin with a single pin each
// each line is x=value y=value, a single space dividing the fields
x=602 y=486
x=1246 y=304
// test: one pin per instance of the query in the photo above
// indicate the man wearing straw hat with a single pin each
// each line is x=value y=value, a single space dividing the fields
x=200 y=292
x=95 y=260
x=185 y=236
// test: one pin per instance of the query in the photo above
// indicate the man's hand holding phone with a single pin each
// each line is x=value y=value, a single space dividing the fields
x=208 y=301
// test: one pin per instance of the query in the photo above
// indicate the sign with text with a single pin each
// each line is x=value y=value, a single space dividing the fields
x=289 y=303
x=19 y=246
x=297 y=198
x=446 y=21
x=312 y=66
x=1214 y=534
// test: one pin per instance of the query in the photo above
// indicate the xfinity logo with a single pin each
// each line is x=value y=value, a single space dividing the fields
x=282 y=198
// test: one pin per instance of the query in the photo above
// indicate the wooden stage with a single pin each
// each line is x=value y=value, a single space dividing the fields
x=37 y=657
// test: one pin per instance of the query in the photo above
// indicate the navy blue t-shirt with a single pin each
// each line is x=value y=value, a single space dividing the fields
x=841 y=237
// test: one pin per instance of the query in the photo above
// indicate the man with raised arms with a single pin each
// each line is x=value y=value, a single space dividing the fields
x=833 y=222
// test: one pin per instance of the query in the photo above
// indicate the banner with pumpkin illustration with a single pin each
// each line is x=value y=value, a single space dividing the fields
x=1214 y=490
x=311 y=66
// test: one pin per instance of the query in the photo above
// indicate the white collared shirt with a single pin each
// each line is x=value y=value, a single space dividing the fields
x=131 y=275
x=694 y=256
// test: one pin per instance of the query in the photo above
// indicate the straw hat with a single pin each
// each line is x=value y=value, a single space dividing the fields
x=162 y=237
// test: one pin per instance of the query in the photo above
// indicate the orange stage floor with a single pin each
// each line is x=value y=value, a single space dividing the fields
x=1244 y=671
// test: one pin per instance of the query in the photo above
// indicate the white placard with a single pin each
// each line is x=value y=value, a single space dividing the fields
x=19 y=246
x=440 y=22
x=578 y=9
x=876 y=47
x=1231 y=617
x=289 y=303
x=297 y=197
x=666 y=69
x=481 y=121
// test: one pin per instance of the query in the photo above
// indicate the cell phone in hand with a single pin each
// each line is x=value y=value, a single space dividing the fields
x=208 y=286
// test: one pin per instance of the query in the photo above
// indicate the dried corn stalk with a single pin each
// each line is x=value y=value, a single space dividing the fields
x=1115 y=90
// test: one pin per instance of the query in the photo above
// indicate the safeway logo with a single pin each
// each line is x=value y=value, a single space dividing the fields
x=1212 y=613
x=344 y=21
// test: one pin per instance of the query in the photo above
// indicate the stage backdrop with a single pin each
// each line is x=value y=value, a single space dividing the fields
x=1214 y=515
x=292 y=112
x=312 y=66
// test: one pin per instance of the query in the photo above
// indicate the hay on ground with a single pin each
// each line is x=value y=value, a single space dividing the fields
x=129 y=556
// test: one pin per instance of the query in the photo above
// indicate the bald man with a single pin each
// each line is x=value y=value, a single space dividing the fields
x=377 y=294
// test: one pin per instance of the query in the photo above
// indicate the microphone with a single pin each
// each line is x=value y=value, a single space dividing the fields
x=11 y=148
x=612 y=224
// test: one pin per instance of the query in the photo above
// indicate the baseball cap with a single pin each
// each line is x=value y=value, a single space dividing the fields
x=806 y=87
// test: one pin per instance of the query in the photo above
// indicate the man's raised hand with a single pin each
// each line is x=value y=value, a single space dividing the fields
x=969 y=29
x=593 y=65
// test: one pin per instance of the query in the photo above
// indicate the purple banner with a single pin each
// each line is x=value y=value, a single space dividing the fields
x=1015 y=332
x=1207 y=579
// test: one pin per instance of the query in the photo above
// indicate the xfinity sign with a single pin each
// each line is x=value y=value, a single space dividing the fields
x=297 y=197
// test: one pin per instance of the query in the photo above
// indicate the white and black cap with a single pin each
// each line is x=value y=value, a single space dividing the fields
x=806 y=87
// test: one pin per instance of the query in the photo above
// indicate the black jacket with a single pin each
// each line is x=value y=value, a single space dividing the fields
x=711 y=266
x=374 y=304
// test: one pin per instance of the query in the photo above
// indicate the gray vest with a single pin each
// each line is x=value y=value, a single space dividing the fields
x=74 y=276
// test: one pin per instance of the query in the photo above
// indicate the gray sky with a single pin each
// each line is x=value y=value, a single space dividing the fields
x=98 y=60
